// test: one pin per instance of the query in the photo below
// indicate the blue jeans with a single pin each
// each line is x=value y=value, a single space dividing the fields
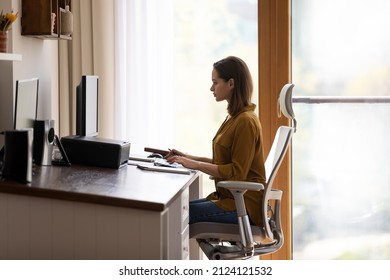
x=203 y=210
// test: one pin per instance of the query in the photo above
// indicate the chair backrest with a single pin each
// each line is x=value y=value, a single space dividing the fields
x=283 y=135
x=285 y=103
x=278 y=150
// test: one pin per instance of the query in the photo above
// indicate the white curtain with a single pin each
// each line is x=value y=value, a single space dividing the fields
x=144 y=100
x=90 y=52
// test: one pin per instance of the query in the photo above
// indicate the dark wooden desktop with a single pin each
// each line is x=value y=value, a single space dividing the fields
x=83 y=212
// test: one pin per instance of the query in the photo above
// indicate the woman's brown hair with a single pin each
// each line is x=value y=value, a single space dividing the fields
x=235 y=68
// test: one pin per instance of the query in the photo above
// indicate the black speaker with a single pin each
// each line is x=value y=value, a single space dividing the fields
x=43 y=141
x=18 y=155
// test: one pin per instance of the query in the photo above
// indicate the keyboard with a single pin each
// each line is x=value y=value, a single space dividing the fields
x=165 y=163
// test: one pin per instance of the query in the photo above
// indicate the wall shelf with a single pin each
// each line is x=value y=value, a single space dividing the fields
x=37 y=19
x=10 y=57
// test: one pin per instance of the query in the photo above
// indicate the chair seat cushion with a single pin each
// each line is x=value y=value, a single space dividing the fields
x=222 y=231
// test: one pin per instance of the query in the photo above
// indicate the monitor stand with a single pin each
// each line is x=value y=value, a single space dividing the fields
x=64 y=161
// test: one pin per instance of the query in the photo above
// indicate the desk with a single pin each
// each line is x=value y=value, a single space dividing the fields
x=82 y=212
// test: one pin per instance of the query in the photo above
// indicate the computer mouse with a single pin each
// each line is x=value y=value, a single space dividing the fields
x=155 y=155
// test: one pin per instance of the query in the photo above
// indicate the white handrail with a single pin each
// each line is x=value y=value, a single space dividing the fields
x=341 y=99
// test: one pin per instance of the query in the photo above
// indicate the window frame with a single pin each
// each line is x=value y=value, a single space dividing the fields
x=274 y=28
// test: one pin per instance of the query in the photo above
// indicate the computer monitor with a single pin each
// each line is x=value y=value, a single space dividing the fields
x=26 y=103
x=87 y=106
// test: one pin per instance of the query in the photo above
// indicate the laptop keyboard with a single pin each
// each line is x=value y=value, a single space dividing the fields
x=165 y=163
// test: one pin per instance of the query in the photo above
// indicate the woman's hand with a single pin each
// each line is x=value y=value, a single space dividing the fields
x=192 y=162
x=183 y=160
x=175 y=156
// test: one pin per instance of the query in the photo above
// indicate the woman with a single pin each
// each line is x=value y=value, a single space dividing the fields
x=237 y=147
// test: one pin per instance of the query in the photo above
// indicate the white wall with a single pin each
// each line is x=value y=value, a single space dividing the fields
x=39 y=59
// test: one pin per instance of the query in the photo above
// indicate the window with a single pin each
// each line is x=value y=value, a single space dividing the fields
x=167 y=51
x=205 y=32
x=341 y=63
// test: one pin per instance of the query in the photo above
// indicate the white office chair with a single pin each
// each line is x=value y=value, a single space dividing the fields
x=243 y=240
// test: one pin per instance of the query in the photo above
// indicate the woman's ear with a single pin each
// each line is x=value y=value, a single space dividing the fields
x=231 y=83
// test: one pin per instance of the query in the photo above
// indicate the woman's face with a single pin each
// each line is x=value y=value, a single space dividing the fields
x=221 y=89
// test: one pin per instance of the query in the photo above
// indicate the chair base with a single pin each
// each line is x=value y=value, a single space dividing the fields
x=220 y=241
x=224 y=250
x=221 y=250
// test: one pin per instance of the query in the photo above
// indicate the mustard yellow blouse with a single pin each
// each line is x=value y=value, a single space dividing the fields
x=238 y=152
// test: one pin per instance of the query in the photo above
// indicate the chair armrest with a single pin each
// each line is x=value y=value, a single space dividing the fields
x=241 y=185
x=238 y=189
